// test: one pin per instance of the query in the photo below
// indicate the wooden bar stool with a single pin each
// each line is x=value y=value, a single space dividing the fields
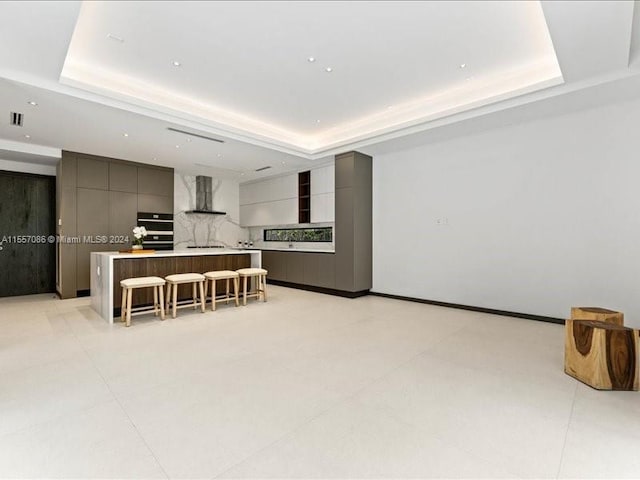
x=212 y=277
x=129 y=285
x=260 y=275
x=197 y=282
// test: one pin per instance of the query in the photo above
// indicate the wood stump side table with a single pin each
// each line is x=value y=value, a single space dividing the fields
x=604 y=355
x=597 y=313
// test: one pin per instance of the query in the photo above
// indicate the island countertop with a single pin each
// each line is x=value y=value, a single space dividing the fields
x=108 y=268
x=191 y=252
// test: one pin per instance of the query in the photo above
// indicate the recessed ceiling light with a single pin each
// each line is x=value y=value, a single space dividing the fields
x=463 y=65
x=32 y=103
x=125 y=134
x=111 y=36
x=317 y=121
x=284 y=163
x=27 y=136
x=219 y=155
x=242 y=174
x=176 y=63
x=328 y=69
x=154 y=159
x=311 y=59
x=188 y=140
x=177 y=146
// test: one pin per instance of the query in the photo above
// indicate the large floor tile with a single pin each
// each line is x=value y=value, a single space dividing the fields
x=496 y=417
x=96 y=443
x=358 y=441
x=201 y=425
x=41 y=393
x=595 y=451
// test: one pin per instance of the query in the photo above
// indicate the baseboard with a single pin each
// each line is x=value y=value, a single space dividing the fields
x=311 y=288
x=505 y=313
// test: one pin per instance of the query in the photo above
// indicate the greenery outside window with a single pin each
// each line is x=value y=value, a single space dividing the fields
x=324 y=234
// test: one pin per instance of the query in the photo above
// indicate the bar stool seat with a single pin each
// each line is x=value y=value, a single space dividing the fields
x=260 y=275
x=212 y=277
x=197 y=282
x=130 y=284
x=184 y=278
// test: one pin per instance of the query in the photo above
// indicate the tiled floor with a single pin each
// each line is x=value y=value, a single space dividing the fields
x=306 y=385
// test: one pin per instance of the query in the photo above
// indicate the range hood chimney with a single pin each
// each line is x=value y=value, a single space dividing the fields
x=204 y=197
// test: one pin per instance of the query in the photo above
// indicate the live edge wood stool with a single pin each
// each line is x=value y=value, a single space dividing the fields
x=129 y=285
x=604 y=355
x=260 y=275
x=197 y=282
x=597 y=313
x=212 y=277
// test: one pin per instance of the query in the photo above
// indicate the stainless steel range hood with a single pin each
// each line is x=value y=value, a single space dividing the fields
x=204 y=197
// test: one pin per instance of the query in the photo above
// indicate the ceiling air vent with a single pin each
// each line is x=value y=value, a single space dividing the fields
x=262 y=169
x=177 y=130
x=16 y=119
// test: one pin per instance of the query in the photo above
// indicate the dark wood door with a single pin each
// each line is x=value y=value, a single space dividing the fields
x=27 y=219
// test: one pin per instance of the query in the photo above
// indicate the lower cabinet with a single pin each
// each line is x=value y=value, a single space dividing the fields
x=276 y=264
x=302 y=268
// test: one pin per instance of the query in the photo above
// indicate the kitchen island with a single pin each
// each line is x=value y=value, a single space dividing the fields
x=109 y=268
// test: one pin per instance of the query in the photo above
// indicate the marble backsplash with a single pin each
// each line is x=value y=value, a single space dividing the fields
x=204 y=229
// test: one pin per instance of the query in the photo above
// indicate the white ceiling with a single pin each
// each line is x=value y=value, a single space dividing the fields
x=79 y=125
x=244 y=65
x=245 y=77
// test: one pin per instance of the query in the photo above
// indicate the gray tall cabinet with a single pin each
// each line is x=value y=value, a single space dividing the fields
x=354 y=225
x=99 y=196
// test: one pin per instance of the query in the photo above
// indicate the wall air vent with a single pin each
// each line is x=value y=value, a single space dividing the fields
x=262 y=169
x=177 y=130
x=16 y=119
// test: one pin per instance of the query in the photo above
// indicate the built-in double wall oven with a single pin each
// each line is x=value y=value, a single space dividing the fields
x=159 y=230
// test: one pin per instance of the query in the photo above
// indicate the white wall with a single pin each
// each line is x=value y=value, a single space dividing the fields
x=541 y=216
x=24 y=167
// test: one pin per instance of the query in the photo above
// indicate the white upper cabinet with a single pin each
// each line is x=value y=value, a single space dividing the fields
x=322 y=179
x=323 y=207
x=274 y=201
x=322 y=194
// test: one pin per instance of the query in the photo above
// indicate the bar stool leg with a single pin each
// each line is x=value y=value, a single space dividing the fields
x=236 y=287
x=264 y=288
x=227 y=291
x=194 y=295
x=202 y=297
x=174 y=291
x=155 y=301
x=161 y=292
x=213 y=294
x=129 y=295
x=244 y=294
x=168 y=297
x=123 y=311
x=207 y=286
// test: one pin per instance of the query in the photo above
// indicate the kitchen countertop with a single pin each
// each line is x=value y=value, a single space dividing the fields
x=304 y=250
x=192 y=252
